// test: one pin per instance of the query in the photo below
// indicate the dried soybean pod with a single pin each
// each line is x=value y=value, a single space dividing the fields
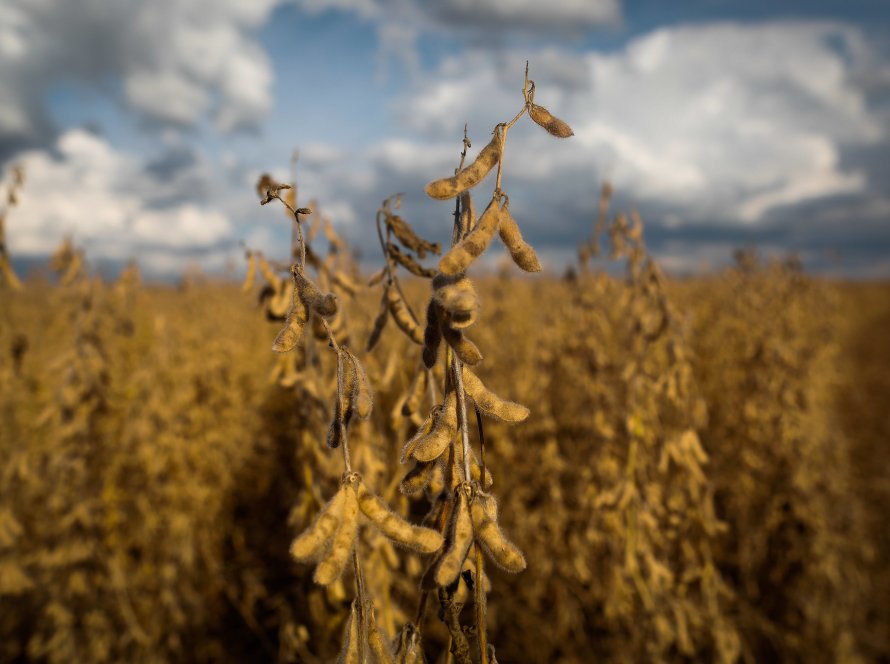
x=335 y=242
x=470 y=176
x=324 y=304
x=379 y=323
x=521 y=252
x=251 y=273
x=415 y=393
x=408 y=262
x=430 y=445
x=377 y=277
x=332 y=565
x=280 y=301
x=345 y=282
x=350 y=384
x=290 y=335
x=310 y=543
x=402 y=316
x=466 y=350
x=457 y=296
x=406 y=235
x=489 y=535
x=469 y=569
x=410 y=649
x=268 y=273
x=550 y=122
x=417 y=478
x=379 y=649
x=432 y=335
x=546 y=119
x=422 y=431
x=490 y=403
x=425 y=540
x=361 y=398
x=349 y=651
x=460 y=537
x=458 y=259
x=343 y=405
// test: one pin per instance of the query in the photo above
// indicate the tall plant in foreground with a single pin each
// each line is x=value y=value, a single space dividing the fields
x=445 y=466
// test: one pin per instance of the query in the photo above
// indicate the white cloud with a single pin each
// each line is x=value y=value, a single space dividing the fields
x=177 y=59
x=107 y=201
x=727 y=122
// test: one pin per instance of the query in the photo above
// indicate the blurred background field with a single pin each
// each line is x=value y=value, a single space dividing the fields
x=154 y=470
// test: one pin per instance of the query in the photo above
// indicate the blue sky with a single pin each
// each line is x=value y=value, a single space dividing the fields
x=143 y=125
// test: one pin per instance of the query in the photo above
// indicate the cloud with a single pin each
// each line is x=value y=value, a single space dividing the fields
x=176 y=60
x=532 y=16
x=726 y=122
x=112 y=203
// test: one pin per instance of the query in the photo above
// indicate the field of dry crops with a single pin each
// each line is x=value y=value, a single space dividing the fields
x=710 y=489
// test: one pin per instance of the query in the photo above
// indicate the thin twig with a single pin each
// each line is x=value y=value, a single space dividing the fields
x=457 y=369
x=479 y=601
x=343 y=434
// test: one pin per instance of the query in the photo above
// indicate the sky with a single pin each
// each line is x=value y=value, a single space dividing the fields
x=144 y=125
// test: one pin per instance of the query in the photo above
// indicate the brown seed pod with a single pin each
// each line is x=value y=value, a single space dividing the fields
x=457 y=296
x=379 y=323
x=470 y=176
x=402 y=315
x=361 y=398
x=410 y=648
x=521 y=252
x=339 y=330
x=310 y=543
x=460 y=537
x=345 y=282
x=324 y=304
x=332 y=565
x=349 y=650
x=425 y=540
x=377 y=277
x=416 y=392
x=268 y=273
x=459 y=258
x=417 y=479
x=469 y=569
x=488 y=534
x=429 y=445
x=432 y=335
x=292 y=332
x=437 y=482
x=490 y=403
x=343 y=405
x=466 y=350
x=406 y=235
x=379 y=649
x=408 y=262
x=423 y=430
x=249 y=277
x=335 y=242
x=277 y=303
x=548 y=121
